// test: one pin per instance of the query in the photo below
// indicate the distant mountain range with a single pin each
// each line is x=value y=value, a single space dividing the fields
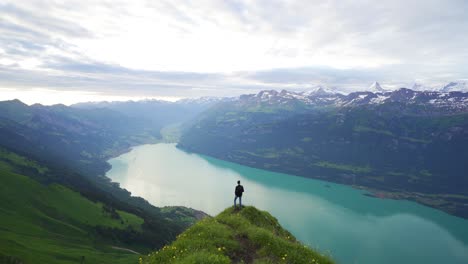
x=156 y=112
x=404 y=143
x=84 y=136
x=457 y=86
x=442 y=102
x=376 y=87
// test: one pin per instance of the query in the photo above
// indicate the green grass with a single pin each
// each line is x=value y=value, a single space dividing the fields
x=9 y=160
x=236 y=236
x=53 y=224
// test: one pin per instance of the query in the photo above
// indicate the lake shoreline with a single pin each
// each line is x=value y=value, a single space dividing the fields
x=437 y=201
x=340 y=219
x=455 y=205
x=199 y=214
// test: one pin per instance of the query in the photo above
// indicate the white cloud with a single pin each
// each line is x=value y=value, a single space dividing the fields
x=212 y=38
x=234 y=45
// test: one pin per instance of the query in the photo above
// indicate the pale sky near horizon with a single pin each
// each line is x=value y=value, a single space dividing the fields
x=83 y=50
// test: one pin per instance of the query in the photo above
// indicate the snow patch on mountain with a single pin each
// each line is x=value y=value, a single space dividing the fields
x=380 y=98
x=319 y=90
x=448 y=102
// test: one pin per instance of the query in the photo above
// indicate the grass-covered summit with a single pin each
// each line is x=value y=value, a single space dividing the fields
x=237 y=236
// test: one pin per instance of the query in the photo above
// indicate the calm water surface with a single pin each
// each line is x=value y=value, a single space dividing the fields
x=333 y=218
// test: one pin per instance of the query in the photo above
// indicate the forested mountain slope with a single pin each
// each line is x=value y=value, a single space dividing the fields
x=405 y=144
x=56 y=206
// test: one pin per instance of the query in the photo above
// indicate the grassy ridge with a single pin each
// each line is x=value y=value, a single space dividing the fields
x=236 y=236
x=53 y=224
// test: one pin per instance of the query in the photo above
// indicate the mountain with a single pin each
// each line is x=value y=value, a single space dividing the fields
x=455 y=86
x=375 y=87
x=203 y=101
x=55 y=216
x=55 y=203
x=318 y=91
x=405 y=144
x=156 y=112
x=81 y=139
x=417 y=102
x=84 y=136
x=77 y=140
x=45 y=223
x=424 y=87
x=237 y=236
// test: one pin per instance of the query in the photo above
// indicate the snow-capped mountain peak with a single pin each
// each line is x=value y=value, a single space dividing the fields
x=455 y=86
x=418 y=87
x=375 y=87
x=319 y=90
x=444 y=102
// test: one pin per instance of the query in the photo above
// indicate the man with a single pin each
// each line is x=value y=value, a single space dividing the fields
x=239 y=190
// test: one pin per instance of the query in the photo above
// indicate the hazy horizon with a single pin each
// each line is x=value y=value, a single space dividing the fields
x=53 y=97
x=79 y=51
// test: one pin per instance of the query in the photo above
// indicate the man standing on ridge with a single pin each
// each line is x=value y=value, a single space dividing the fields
x=238 y=192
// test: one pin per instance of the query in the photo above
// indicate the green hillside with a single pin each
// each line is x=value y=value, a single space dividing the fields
x=236 y=236
x=55 y=204
x=52 y=224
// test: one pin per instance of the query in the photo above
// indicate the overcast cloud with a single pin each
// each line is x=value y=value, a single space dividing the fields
x=173 y=49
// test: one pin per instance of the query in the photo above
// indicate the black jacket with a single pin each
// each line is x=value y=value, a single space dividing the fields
x=239 y=190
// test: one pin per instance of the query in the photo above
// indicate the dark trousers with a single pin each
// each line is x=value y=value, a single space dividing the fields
x=240 y=201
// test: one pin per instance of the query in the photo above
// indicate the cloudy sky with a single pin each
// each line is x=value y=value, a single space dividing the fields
x=68 y=51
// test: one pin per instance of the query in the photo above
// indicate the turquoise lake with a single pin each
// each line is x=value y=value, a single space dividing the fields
x=335 y=219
